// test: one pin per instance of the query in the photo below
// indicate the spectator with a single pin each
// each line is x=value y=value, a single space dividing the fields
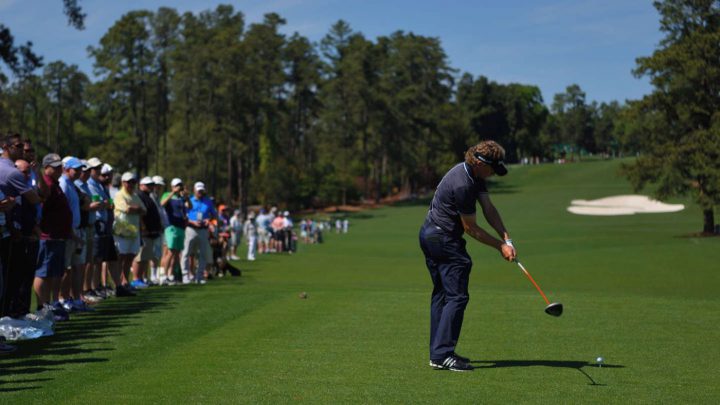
x=338 y=225
x=88 y=217
x=55 y=231
x=304 y=231
x=110 y=254
x=71 y=284
x=5 y=205
x=236 y=232
x=250 y=231
x=151 y=233
x=128 y=210
x=13 y=184
x=289 y=237
x=197 y=240
x=263 y=230
x=176 y=205
x=103 y=243
x=24 y=248
x=223 y=233
x=345 y=225
x=160 y=247
x=278 y=232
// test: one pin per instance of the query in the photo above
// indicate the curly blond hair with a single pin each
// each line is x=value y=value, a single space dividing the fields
x=487 y=148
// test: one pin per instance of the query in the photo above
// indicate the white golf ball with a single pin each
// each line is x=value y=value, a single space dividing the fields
x=600 y=360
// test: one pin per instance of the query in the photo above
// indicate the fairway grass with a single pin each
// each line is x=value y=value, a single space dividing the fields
x=638 y=290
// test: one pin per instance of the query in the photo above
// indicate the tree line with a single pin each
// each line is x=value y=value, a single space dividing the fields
x=265 y=117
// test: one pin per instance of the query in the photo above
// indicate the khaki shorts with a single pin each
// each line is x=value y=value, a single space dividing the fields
x=148 y=249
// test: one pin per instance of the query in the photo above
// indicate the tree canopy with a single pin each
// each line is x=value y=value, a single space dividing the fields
x=680 y=120
x=266 y=117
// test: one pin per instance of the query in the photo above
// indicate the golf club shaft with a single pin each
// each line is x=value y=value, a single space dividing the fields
x=533 y=281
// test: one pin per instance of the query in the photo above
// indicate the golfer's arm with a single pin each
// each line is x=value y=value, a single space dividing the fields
x=471 y=228
x=493 y=216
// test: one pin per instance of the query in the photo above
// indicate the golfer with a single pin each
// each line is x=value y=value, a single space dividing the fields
x=452 y=213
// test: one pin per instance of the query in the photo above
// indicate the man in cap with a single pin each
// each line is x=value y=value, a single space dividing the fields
x=160 y=247
x=109 y=253
x=236 y=232
x=452 y=213
x=197 y=238
x=290 y=239
x=71 y=285
x=128 y=210
x=55 y=230
x=89 y=210
x=176 y=204
x=151 y=233
x=262 y=223
x=251 y=232
x=101 y=232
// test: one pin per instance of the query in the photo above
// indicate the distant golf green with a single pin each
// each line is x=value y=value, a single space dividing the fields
x=639 y=290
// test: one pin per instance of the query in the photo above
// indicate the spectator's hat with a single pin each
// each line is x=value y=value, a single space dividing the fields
x=251 y=214
x=146 y=181
x=128 y=176
x=158 y=180
x=94 y=163
x=52 y=160
x=286 y=214
x=66 y=158
x=236 y=212
x=106 y=168
x=85 y=166
x=176 y=182
x=72 y=163
x=200 y=186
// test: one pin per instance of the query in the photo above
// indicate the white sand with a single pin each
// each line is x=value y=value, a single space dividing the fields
x=622 y=205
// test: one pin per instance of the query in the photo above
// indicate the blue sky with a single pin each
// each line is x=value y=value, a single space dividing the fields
x=551 y=43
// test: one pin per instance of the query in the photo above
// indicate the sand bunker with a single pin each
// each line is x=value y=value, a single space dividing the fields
x=622 y=205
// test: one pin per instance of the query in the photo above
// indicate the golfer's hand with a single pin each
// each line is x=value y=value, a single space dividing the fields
x=508 y=252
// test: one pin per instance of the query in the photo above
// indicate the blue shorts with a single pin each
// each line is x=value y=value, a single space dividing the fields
x=51 y=259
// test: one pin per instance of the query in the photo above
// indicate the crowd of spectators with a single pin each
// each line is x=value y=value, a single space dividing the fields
x=74 y=233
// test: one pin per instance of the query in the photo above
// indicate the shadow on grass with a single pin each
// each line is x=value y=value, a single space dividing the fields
x=27 y=381
x=577 y=365
x=70 y=343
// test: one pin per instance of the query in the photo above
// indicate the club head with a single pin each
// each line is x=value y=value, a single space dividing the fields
x=554 y=309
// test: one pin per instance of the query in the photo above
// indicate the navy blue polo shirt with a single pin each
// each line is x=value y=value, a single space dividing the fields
x=455 y=195
x=176 y=210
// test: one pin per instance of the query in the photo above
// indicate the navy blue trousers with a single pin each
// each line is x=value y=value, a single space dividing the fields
x=449 y=265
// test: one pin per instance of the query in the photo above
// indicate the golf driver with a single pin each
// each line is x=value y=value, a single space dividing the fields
x=555 y=308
